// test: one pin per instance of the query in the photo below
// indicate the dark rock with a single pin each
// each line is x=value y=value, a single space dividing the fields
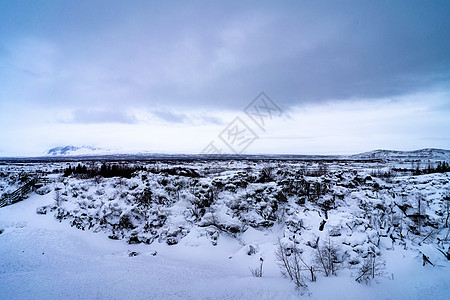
x=213 y=234
x=171 y=240
x=41 y=210
x=447 y=255
x=426 y=260
x=313 y=244
x=43 y=190
x=265 y=223
x=134 y=240
x=335 y=231
x=133 y=253
x=322 y=224
x=353 y=261
x=251 y=250
x=146 y=240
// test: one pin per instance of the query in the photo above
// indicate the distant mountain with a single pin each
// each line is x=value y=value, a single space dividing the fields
x=422 y=154
x=74 y=151
x=427 y=153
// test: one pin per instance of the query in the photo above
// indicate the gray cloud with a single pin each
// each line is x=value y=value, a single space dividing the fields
x=105 y=60
x=85 y=116
x=222 y=55
x=206 y=119
x=170 y=117
x=200 y=62
x=194 y=119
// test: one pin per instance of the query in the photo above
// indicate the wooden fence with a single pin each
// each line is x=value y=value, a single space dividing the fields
x=18 y=194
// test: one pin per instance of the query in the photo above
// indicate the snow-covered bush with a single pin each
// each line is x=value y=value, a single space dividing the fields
x=166 y=201
x=43 y=190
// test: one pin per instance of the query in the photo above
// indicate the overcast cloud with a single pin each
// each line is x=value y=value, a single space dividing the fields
x=199 y=62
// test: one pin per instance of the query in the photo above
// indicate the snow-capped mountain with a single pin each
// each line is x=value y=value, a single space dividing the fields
x=422 y=154
x=427 y=153
x=74 y=151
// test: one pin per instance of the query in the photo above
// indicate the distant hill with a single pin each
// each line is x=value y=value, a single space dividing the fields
x=74 y=151
x=88 y=151
x=427 y=153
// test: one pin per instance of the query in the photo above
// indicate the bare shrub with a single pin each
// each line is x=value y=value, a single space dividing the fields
x=57 y=197
x=266 y=174
x=327 y=257
x=447 y=206
x=258 y=272
x=292 y=265
x=144 y=198
x=382 y=174
x=371 y=268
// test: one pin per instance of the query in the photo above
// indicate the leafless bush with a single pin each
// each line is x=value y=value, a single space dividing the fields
x=292 y=265
x=382 y=174
x=258 y=272
x=57 y=197
x=98 y=179
x=144 y=198
x=371 y=268
x=266 y=174
x=322 y=169
x=327 y=257
x=447 y=205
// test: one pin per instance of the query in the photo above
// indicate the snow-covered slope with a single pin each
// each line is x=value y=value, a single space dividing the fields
x=428 y=153
x=77 y=151
x=45 y=259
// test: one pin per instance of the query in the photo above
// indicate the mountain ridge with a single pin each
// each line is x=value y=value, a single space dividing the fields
x=431 y=153
x=74 y=150
x=86 y=150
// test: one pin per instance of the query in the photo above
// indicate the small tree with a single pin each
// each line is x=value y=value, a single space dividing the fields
x=57 y=197
x=371 y=268
x=447 y=206
x=327 y=257
x=419 y=214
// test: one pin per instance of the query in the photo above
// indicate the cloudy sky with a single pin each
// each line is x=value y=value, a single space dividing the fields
x=173 y=76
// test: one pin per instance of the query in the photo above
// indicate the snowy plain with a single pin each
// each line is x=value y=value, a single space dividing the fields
x=42 y=258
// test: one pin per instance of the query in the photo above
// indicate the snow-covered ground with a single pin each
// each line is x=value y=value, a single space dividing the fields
x=43 y=258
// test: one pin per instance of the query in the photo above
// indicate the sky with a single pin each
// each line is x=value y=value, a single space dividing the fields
x=336 y=77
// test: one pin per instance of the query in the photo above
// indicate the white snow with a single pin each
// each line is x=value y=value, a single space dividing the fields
x=43 y=258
